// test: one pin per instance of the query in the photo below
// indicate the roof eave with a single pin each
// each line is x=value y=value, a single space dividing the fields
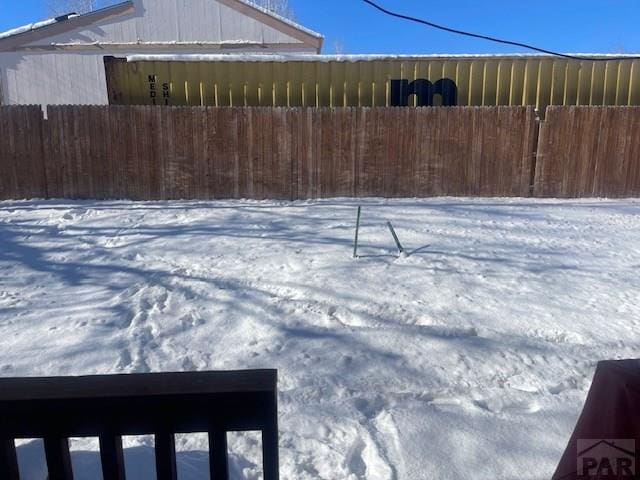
x=87 y=19
x=304 y=35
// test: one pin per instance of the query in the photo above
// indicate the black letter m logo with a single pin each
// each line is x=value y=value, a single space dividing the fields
x=401 y=90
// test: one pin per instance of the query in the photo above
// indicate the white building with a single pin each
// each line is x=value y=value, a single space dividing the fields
x=60 y=61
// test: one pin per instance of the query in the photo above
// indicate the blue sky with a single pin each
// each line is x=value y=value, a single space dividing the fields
x=598 y=26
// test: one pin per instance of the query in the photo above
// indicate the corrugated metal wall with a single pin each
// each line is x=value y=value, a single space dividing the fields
x=468 y=81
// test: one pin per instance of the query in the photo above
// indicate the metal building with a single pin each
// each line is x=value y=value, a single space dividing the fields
x=60 y=61
x=369 y=80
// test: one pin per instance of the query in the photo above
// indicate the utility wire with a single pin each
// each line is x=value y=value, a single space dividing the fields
x=493 y=39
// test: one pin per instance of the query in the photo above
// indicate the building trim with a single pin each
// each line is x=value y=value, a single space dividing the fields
x=51 y=30
x=277 y=22
x=205 y=47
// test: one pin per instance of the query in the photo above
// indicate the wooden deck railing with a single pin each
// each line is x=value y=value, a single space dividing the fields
x=164 y=404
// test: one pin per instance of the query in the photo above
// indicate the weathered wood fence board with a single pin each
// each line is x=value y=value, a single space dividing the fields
x=22 y=173
x=148 y=153
x=589 y=152
x=395 y=152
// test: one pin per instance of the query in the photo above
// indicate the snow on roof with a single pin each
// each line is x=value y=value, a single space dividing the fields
x=52 y=21
x=34 y=26
x=310 y=57
x=282 y=19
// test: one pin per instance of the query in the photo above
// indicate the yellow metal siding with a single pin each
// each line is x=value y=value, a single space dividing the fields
x=538 y=81
x=634 y=84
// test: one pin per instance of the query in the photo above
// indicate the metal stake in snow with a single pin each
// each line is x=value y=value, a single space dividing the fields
x=355 y=242
x=395 y=238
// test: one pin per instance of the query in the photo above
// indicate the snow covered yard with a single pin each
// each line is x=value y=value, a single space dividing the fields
x=469 y=358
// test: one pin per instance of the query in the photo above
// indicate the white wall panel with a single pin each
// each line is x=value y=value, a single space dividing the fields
x=176 y=20
x=71 y=75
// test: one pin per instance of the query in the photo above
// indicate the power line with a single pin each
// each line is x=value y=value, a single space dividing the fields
x=493 y=39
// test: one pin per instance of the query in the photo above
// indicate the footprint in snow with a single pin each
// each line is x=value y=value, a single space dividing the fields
x=370 y=407
x=354 y=462
x=75 y=214
x=570 y=383
x=499 y=406
x=444 y=331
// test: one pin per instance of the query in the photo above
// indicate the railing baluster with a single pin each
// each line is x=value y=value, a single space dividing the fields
x=112 y=457
x=8 y=459
x=58 y=458
x=218 y=455
x=166 y=456
x=270 y=453
x=270 y=460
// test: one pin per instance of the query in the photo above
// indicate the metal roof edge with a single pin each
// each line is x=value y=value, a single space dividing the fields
x=272 y=19
x=70 y=23
x=310 y=57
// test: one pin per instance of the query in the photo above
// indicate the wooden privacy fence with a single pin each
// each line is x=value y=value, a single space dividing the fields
x=147 y=153
x=22 y=158
x=589 y=152
x=198 y=152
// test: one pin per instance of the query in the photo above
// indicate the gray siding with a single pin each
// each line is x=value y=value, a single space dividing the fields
x=68 y=68
x=176 y=21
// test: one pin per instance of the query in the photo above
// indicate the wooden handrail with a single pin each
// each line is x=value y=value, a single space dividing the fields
x=163 y=404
